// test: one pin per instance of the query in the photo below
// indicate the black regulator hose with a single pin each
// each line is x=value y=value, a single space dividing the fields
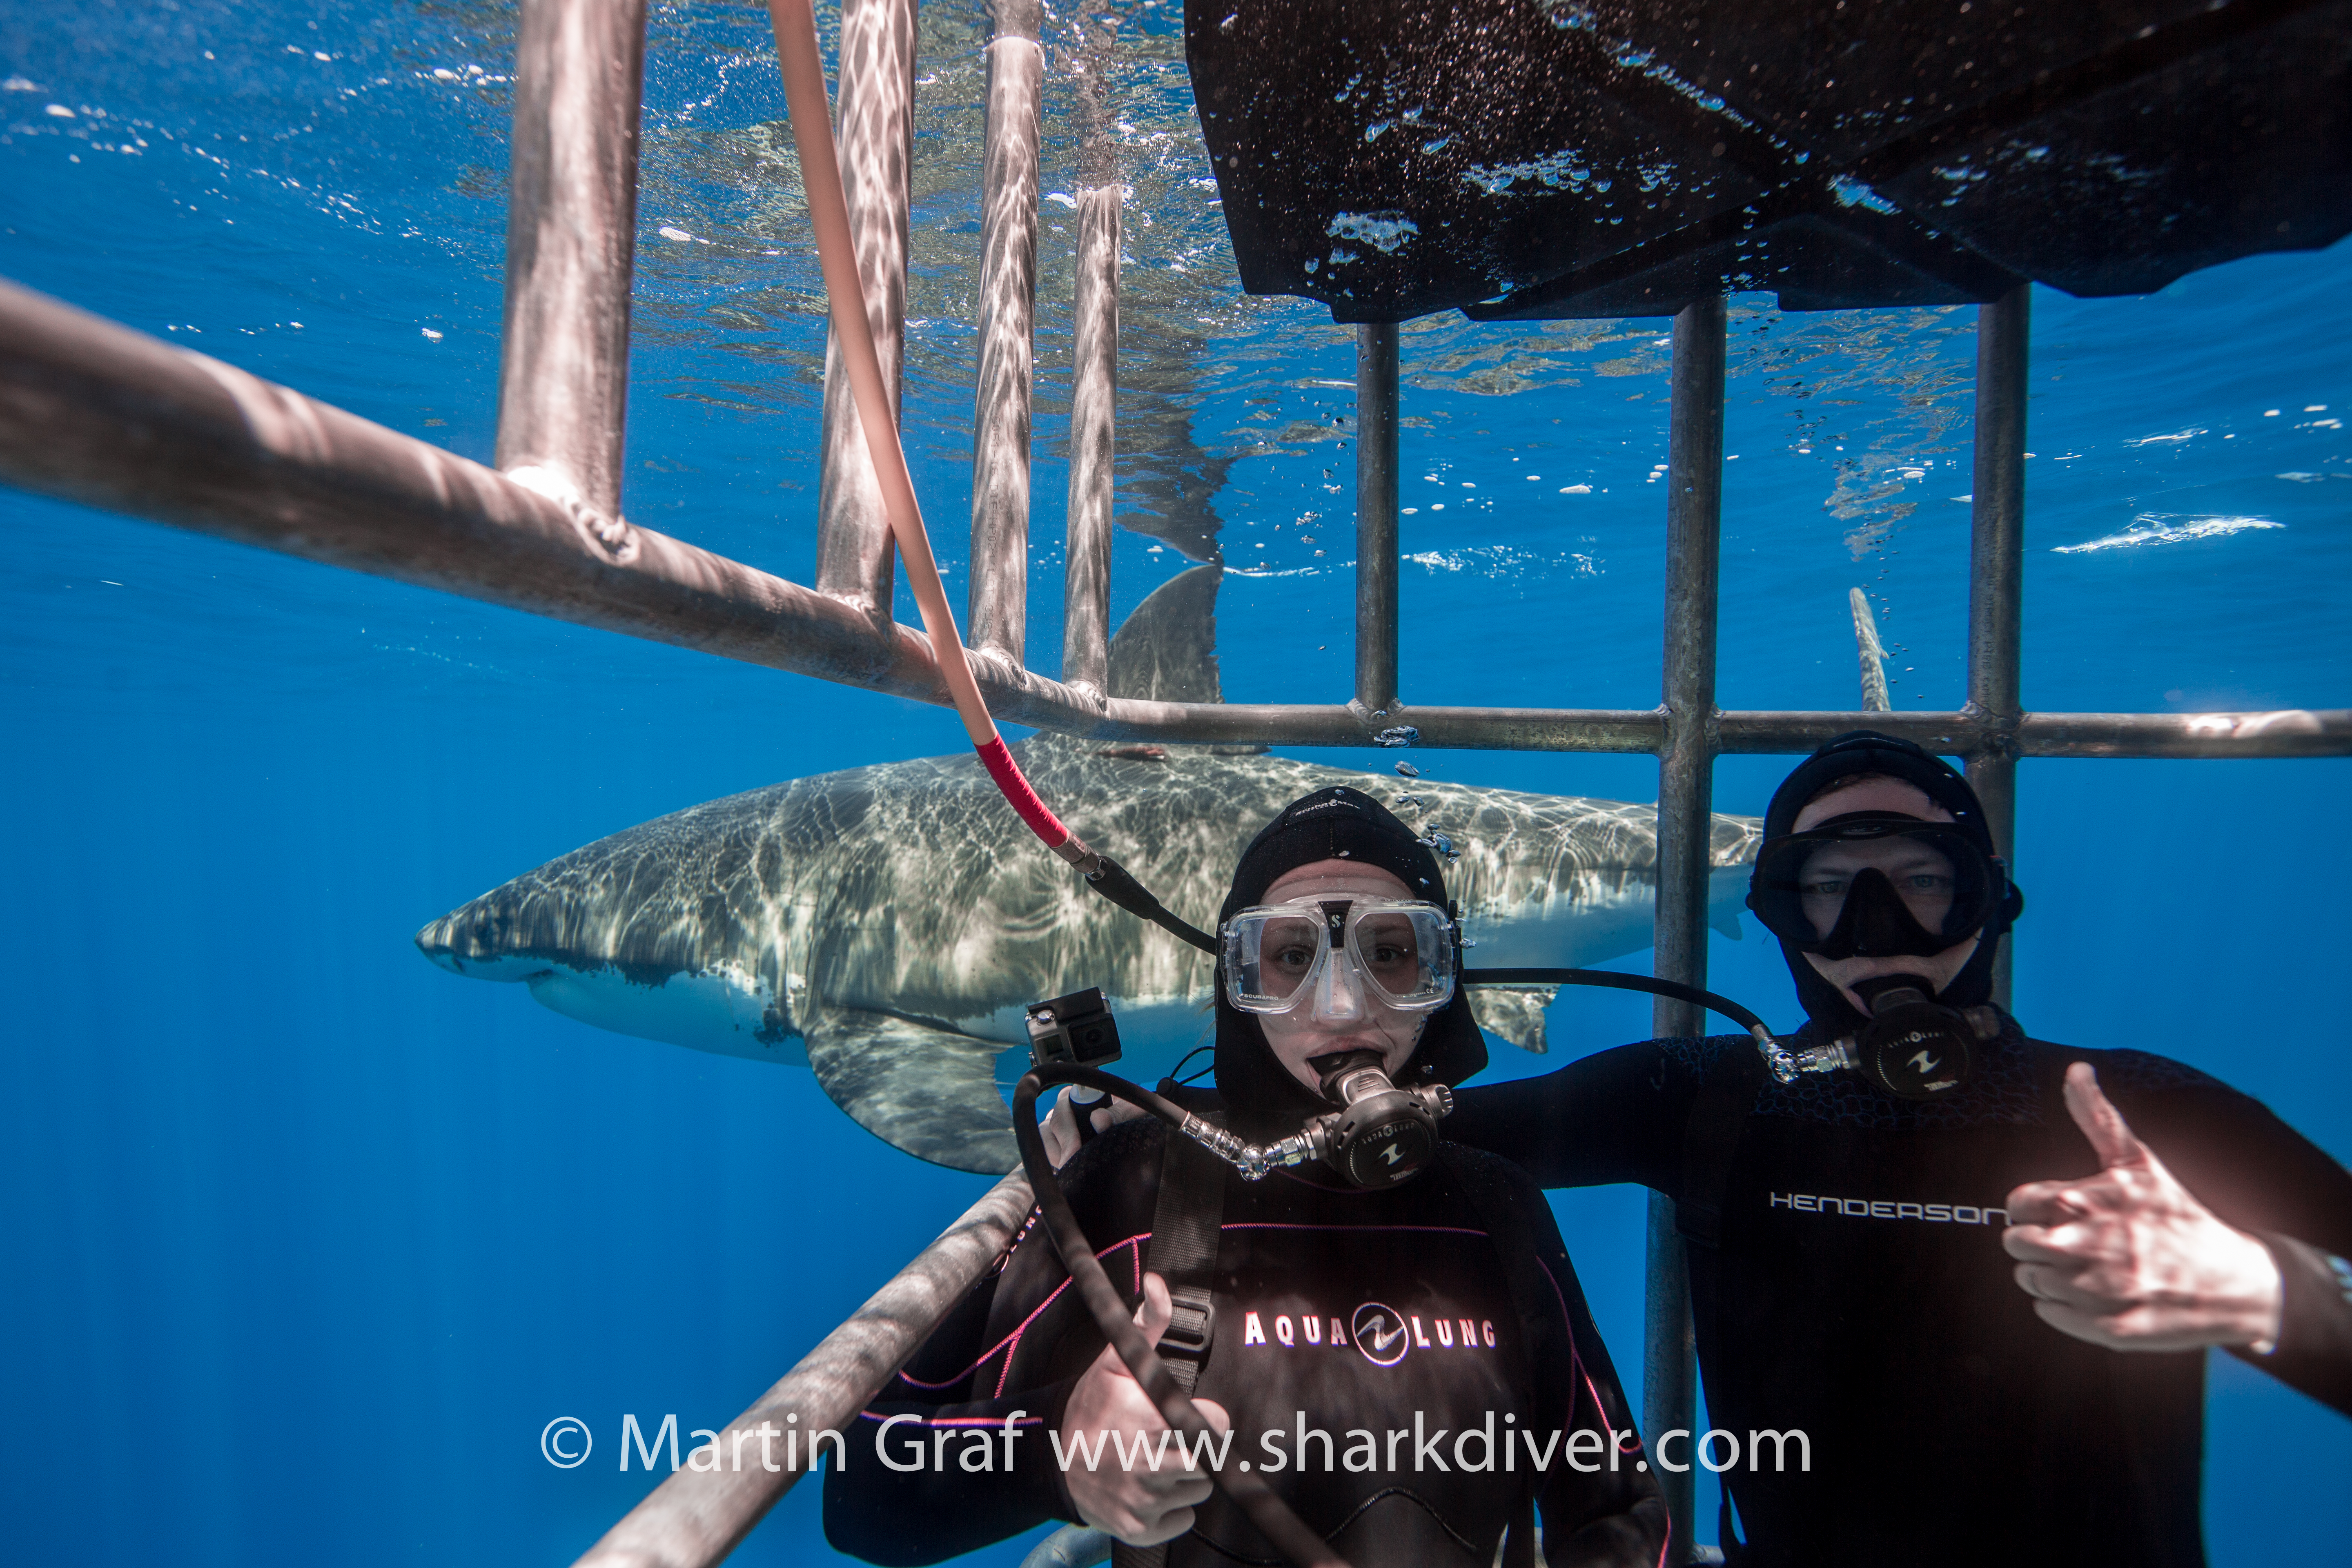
x=1272 y=1516
x=1610 y=979
x=1114 y=882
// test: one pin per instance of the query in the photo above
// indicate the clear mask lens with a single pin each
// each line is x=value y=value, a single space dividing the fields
x=1343 y=954
x=1875 y=883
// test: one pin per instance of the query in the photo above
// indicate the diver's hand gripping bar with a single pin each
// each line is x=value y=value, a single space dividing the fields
x=1272 y=1516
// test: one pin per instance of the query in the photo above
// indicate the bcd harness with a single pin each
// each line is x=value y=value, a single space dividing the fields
x=1187 y=1226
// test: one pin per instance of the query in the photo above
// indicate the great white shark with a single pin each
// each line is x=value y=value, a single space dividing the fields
x=885 y=926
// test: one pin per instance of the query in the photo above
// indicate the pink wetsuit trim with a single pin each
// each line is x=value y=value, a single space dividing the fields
x=1012 y=1342
x=982 y=1359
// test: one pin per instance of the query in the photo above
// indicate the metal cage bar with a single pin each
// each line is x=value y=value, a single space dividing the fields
x=1997 y=574
x=1685 y=836
x=1377 y=395
x=571 y=233
x=96 y=413
x=998 y=600
x=695 y=1518
x=1094 y=375
x=875 y=108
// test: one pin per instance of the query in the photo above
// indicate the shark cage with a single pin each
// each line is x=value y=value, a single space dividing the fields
x=1833 y=192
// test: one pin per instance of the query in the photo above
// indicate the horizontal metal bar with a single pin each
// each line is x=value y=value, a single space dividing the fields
x=694 y=1519
x=2287 y=732
x=96 y=413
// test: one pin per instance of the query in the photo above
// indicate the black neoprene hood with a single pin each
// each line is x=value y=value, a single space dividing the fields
x=1335 y=823
x=1868 y=752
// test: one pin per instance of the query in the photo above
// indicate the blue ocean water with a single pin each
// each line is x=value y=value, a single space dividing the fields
x=308 y=1241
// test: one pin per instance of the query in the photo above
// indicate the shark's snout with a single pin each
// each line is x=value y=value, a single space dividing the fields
x=466 y=939
x=435 y=940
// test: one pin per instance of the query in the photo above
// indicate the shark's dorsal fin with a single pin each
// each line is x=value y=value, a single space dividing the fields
x=1167 y=651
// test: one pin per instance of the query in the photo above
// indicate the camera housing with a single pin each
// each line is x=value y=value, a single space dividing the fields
x=1078 y=1029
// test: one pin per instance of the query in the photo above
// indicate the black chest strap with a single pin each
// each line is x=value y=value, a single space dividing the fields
x=1186 y=1226
x=1531 y=1289
x=1185 y=1229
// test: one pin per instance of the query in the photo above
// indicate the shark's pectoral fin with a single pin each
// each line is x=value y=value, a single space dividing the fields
x=928 y=1090
x=1725 y=919
x=1515 y=1012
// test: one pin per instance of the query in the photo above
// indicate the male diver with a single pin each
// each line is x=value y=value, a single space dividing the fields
x=1846 y=1226
x=1409 y=1361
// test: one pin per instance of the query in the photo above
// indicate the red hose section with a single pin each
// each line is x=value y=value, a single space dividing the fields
x=802 y=62
x=998 y=759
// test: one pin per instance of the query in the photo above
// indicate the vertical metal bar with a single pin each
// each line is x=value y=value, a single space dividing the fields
x=1094 y=375
x=1376 y=517
x=1686 y=790
x=1997 y=571
x=572 y=223
x=999 y=604
x=874 y=114
x=1669 y=1361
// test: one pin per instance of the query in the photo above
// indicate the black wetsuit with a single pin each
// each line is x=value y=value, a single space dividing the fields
x=1860 y=1294
x=1389 y=1321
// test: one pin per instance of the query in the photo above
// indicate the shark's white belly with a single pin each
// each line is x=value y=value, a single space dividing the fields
x=723 y=1010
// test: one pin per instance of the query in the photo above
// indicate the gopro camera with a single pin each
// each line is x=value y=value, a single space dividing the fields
x=1077 y=1029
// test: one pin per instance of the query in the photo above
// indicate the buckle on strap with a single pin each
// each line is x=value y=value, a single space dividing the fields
x=1194 y=1325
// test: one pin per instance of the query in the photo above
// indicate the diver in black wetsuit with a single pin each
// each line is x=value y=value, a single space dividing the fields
x=1847 y=1259
x=1414 y=1366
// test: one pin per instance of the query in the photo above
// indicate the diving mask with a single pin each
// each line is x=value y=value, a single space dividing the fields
x=1339 y=951
x=1875 y=884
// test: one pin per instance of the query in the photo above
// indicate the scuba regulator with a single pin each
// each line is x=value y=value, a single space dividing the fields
x=1913 y=1045
x=1381 y=1134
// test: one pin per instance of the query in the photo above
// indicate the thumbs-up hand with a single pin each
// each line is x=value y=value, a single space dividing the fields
x=2129 y=1258
x=1146 y=1494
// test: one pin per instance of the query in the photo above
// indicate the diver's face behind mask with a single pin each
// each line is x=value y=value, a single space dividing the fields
x=1875 y=885
x=1339 y=959
x=1887 y=904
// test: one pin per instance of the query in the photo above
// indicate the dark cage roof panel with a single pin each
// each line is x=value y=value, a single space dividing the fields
x=1551 y=158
